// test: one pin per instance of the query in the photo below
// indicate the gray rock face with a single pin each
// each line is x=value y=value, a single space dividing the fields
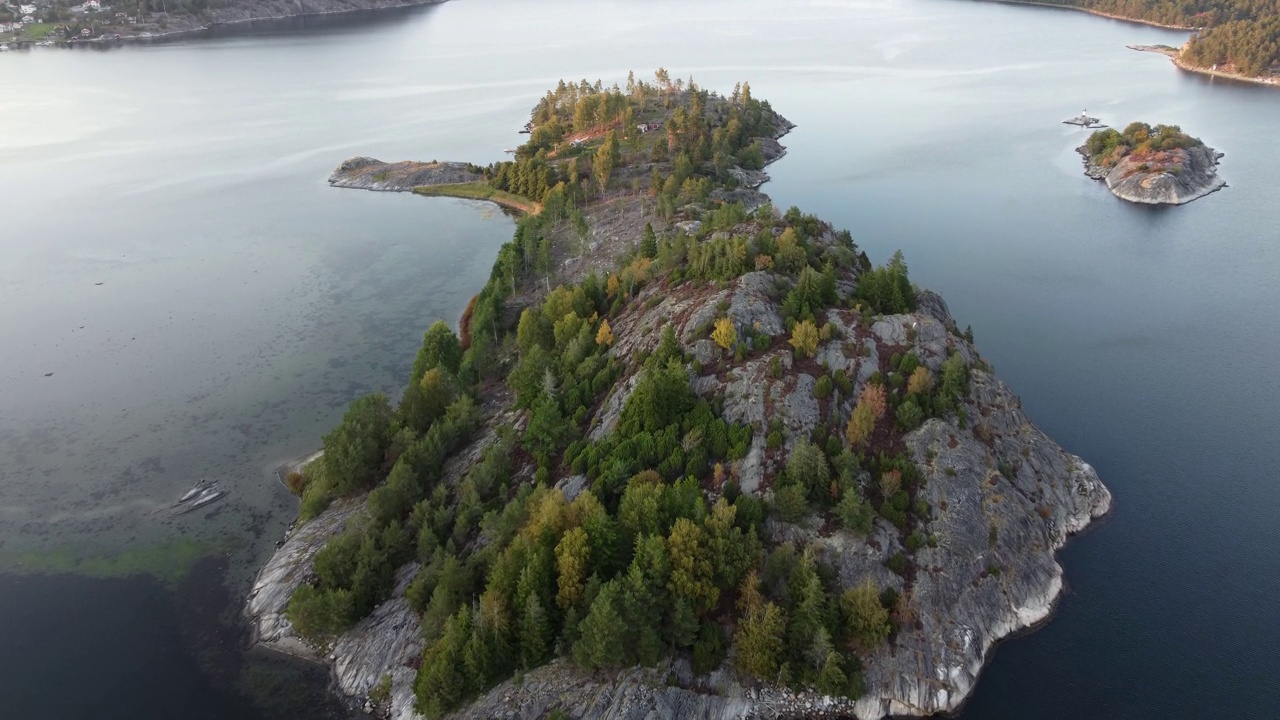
x=979 y=584
x=286 y=570
x=1188 y=174
x=365 y=173
x=390 y=638
x=670 y=692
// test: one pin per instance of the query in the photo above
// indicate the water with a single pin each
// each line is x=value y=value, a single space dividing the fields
x=244 y=302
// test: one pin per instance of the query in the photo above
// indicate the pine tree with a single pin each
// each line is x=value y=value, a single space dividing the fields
x=866 y=620
x=602 y=633
x=535 y=633
x=759 y=641
x=691 y=566
x=649 y=240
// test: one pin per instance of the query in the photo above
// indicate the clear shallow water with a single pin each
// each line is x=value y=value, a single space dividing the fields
x=244 y=302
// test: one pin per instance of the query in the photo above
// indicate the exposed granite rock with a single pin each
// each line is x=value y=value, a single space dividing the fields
x=286 y=570
x=365 y=173
x=390 y=638
x=1174 y=177
x=669 y=692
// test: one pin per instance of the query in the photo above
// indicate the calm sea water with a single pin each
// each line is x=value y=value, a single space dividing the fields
x=171 y=253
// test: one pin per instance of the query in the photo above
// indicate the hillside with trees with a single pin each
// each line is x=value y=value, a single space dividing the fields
x=679 y=433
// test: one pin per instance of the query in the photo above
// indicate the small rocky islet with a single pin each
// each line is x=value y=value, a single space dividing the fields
x=1148 y=165
x=702 y=459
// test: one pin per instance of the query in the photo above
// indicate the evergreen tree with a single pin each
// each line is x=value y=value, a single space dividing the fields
x=603 y=633
x=440 y=348
x=866 y=620
x=535 y=633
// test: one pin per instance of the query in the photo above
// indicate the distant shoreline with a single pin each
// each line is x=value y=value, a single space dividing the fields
x=1270 y=81
x=1098 y=13
x=199 y=31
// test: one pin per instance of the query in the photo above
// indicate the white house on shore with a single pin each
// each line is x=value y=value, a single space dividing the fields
x=27 y=9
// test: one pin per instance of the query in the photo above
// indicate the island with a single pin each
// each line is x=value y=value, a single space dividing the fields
x=687 y=455
x=1152 y=166
x=1235 y=39
x=49 y=22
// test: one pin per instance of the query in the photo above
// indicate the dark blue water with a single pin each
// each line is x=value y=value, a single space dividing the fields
x=189 y=178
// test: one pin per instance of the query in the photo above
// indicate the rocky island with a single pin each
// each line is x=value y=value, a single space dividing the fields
x=1152 y=166
x=688 y=456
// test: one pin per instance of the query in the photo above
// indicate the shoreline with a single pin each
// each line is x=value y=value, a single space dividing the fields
x=1178 y=62
x=475 y=191
x=1272 y=81
x=1099 y=13
x=206 y=30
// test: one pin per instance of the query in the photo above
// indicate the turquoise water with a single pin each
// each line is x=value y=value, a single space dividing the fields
x=243 y=302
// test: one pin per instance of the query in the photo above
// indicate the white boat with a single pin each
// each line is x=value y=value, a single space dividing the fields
x=206 y=497
x=195 y=490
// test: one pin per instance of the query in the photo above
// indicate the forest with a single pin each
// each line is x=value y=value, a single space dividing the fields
x=659 y=554
x=1109 y=146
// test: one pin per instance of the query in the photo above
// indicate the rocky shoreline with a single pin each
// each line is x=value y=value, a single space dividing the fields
x=1187 y=174
x=1006 y=498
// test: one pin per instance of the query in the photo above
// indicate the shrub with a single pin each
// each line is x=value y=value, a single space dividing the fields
x=909 y=415
x=822 y=388
x=724 y=335
x=842 y=381
x=897 y=563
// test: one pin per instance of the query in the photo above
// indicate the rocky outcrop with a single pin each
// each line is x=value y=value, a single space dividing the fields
x=668 y=692
x=363 y=173
x=1173 y=177
x=286 y=570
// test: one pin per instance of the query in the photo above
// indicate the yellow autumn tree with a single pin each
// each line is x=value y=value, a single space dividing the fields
x=572 y=553
x=861 y=425
x=920 y=382
x=804 y=338
x=874 y=396
x=725 y=335
x=604 y=336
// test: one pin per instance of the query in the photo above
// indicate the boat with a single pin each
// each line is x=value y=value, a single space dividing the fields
x=195 y=490
x=206 y=497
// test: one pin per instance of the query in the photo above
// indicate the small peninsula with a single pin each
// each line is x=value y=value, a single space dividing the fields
x=1152 y=166
x=688 y=456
